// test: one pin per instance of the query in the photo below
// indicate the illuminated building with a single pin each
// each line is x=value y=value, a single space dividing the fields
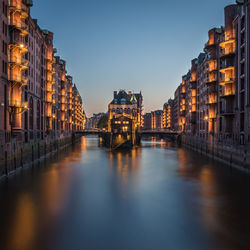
x=168 y=115
x=128 y=105
x=157 y=119
x=125 y=119
x=31 y=89
x=18 y=64
x=212 y=81
x=227 y=76
x=191 y=98
x=4 y=85
x=213 y=100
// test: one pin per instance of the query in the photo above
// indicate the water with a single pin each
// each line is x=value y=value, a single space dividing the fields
x=156 y=197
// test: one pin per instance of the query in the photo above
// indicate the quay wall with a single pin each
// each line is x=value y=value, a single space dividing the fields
x=237 y=156
x=24 y=155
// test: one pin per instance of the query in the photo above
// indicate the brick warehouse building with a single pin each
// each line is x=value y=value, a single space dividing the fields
x=39 y=103
x=211 y=105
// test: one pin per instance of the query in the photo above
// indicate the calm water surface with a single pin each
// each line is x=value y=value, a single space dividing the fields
x=156 y=197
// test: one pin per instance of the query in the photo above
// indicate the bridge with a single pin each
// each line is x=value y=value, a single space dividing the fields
x=156 y=132
x=160 y=133
x=90 y=132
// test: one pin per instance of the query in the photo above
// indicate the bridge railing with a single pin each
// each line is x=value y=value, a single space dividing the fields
x=155 y=131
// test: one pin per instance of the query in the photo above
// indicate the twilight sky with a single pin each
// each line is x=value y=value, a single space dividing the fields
x=135 y=45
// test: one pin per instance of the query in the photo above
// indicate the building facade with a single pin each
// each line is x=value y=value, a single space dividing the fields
x=129 y=105
x=38 y=100
x=168 y=115
x=212 y=101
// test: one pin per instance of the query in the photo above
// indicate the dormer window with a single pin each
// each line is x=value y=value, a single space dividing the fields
x=123 y=101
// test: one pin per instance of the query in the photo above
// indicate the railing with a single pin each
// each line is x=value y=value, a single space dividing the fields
x=16 y=78
x=228 y=39
x=228 y=80
x=227 y=66
x=225 y=52
x=18 y=60
x=20 y=25
x=227 y=92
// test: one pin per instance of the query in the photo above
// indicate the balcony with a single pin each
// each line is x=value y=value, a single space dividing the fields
x=18 y=6
x=211 y=80
x=50 y=70
x=19 y=45
x=51 y=60
x=49 y=99
x=63 y=93
x=25 y=80
x=21 y=26
x=227 y=67
x=227 y=53
x=226 y=81
x=50 y=80
x=211 y=102
x=18 y=61
x=212 y=68
x=227 y=92
x=19 y=80
x=18 y=106
x=227 y=41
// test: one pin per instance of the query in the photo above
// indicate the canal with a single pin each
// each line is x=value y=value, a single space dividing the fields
x=155 y=197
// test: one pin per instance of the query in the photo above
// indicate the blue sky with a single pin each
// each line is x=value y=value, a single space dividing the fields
x=135 y=45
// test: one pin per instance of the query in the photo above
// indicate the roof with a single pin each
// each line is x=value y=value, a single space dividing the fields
x=122 y=98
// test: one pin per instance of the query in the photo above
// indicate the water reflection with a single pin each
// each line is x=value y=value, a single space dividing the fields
x=125 y=163
x=219 y=198
x=153 y=197
x=23 y=224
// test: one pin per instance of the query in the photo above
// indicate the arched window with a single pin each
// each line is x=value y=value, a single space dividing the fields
x=31 y=113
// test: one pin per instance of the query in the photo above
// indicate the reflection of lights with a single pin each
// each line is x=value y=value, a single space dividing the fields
x=21 y=237
x=83 y=143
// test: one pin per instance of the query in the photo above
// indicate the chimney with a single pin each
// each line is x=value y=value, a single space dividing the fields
x=115 y=94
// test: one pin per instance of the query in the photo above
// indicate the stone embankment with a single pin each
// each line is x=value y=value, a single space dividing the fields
x=28 y=154
x=237 y=156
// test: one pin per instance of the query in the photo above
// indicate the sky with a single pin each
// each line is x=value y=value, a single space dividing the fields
x=138 y=45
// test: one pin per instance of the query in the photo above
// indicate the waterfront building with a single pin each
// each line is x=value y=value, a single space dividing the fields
x=129 y=105
x=213 y=88
x=211 y=105
x=176 y=108
x=37 y=102
x=182 y=104
x=154 y=120
x=124 y=119
x=4 y=86
x=157 y=120
x=211 y=101
x=168 y=115
x=147 y=121
x=92 y=122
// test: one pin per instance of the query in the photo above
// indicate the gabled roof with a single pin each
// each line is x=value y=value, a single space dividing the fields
x=122 y=98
